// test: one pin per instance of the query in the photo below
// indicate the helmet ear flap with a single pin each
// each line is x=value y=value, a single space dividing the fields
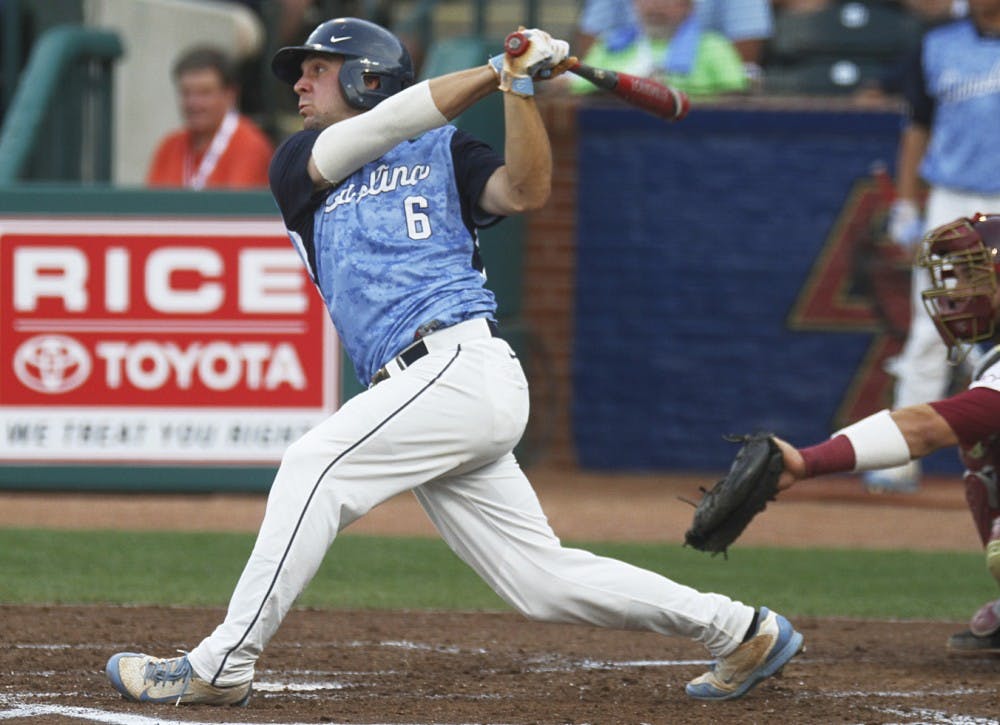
x=356 y=90
x=352 y=83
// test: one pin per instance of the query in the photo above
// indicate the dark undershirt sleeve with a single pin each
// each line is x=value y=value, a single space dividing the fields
x=921 y=105
x=474 y=163
x=289 y=177
x=293 y=189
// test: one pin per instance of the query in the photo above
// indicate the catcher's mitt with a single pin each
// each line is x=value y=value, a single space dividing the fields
x=726 y=509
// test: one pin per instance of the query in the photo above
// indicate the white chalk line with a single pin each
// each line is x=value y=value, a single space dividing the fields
x=123 y=718
x=19 y=708
x=956 y=692
x=95 y=715
x=937 y=717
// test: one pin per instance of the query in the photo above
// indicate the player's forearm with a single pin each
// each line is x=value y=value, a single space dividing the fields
x=924 y=429
x=750 y=50
x=527 y=153
x=882 y=440
x=912 y=147
x=456 y=92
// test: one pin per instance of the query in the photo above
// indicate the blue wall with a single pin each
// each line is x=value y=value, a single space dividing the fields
x=694 y=241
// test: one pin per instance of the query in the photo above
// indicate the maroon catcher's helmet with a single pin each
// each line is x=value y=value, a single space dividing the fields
x=963 y=259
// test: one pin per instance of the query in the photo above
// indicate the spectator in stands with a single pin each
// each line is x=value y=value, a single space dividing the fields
x=936 y=10
x=951 y=142
x=285 y=18
x=217 y=146
x=285 y=22
x=800 y=6
x=668 y=43
x=932 y=13
x=747 y=23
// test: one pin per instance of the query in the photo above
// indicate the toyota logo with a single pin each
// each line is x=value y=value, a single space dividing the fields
x=52 y=364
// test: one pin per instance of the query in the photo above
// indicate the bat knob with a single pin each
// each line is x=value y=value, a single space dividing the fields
x=683 y=106
x=516 y=44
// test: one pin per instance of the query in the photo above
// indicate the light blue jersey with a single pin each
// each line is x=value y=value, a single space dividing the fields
x=961 y=71
x=393 y=247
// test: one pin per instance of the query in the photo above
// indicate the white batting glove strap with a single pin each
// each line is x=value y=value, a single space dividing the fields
x=508 y=83
x=906 y=225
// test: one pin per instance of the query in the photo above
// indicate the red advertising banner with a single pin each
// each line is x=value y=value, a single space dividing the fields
x=158 y=340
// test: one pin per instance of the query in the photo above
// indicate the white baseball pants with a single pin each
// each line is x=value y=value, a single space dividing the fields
x=444 y=428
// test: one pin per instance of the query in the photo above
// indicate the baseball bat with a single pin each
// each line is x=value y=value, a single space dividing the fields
x=659 y=99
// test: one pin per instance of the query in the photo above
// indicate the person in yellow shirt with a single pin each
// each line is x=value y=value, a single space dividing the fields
x=669 y=45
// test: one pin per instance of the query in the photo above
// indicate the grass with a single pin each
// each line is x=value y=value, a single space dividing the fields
x=41 y=566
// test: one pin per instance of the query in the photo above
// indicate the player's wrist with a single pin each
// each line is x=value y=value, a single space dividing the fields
x=496 y=65
x=835 y=455
x=509 y=81
x=521 y=86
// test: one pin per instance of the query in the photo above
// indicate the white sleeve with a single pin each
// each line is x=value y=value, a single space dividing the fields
x=877 y=441
x=348 y=145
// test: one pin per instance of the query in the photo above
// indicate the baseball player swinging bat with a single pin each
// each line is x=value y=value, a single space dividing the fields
x=659 y=99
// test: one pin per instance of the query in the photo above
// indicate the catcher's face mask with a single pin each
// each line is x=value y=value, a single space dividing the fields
x=962 y=260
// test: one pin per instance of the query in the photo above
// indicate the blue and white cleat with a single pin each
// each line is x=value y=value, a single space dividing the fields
x=760 y=657
x=143 y=678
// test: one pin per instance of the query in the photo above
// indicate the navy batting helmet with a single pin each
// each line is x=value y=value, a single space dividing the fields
x=368 y=50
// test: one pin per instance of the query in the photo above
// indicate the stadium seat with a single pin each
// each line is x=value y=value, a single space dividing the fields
x=851 y=28
x=822 y=76
x=835 y=49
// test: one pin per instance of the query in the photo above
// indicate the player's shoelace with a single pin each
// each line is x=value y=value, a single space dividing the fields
x=169 y=671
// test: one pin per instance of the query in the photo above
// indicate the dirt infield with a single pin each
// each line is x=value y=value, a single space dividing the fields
x=423 y=667
x=428 y=667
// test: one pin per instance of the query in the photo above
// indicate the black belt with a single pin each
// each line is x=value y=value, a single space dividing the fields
x=417 y=350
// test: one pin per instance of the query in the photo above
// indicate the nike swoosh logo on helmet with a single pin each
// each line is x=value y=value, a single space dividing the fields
x=335 y=39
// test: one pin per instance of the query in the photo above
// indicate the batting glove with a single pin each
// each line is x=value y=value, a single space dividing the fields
x=542 y=58
x=906 y=225
x=558 y=69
